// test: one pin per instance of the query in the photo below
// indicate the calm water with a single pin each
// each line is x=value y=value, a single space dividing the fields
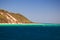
x=30 y=32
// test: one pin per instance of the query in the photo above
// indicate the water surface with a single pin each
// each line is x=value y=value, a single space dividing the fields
x=29 y=31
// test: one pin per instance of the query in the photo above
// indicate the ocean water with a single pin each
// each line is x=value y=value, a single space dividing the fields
x=29 y=31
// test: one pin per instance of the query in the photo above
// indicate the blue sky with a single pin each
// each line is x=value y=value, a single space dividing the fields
x=43 y=11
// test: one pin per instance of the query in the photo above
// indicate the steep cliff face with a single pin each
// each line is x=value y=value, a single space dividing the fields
x=9 y=17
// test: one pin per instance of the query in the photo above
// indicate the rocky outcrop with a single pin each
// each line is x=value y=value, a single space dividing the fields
x=9 y=17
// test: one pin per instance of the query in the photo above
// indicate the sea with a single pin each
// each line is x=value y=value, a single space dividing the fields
x=30 y=31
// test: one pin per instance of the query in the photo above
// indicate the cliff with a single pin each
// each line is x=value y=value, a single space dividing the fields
x=9 y=17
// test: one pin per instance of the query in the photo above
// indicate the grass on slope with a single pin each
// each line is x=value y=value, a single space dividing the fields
x=3 y=19
x=20 y=18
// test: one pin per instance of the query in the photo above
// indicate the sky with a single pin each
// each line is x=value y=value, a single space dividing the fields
x=42 y=11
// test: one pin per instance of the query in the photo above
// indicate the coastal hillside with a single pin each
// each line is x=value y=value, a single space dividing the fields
x=9 y=17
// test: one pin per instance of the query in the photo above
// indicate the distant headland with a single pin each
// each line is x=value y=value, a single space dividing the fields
x=9 y=17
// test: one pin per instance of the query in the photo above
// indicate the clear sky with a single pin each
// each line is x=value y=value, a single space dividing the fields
x=43 y=11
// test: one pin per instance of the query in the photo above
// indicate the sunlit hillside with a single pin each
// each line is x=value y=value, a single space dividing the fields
x=9 y=17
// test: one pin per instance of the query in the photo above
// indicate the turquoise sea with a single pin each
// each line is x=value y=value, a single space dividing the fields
x=29 y=31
